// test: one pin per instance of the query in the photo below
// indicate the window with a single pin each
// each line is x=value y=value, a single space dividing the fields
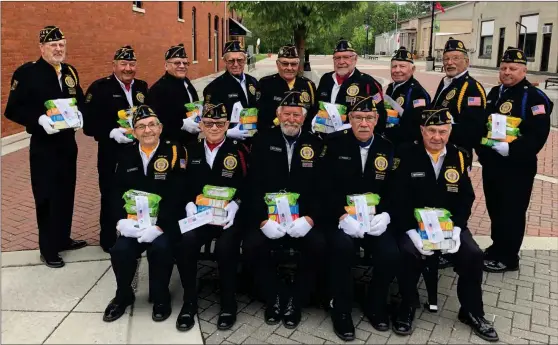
x=194 y=53
x=487 y=33
x=180 y=13
x=209 y=36
x=529 y=36
x=137 y=4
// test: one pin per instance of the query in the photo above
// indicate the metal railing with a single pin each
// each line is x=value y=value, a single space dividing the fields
x=251 y=62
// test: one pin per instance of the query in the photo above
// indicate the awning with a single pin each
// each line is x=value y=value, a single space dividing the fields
x=237 y=29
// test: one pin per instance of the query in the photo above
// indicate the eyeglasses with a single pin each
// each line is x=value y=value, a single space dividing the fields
x=359 y=119
x=125 y=63
x=152 y=126
x=55 y=45
x=238 y=61
x=210 y=125
x=434 y=131
x=340 y=58
x=180 y=63
x=453 y=59
x=287 y=64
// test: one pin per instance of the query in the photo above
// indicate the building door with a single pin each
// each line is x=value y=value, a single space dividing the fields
x=216 y=43
x=545 y=52
x=501 y=46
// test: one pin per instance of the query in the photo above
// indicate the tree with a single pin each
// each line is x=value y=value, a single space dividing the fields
x=300 y=18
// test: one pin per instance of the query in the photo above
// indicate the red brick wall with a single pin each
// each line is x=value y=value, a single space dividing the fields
x=94 y=30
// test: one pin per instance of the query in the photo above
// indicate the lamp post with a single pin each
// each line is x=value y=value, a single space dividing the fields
x=367 y=26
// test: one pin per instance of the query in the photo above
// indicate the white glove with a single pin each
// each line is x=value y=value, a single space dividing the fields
x=273 y=230
x=149 y=234
x=190 y=126
x=47 y=124
x=313 y=124
x=457 y=238
x=118 y=135
x=502 y=148
x=231 y=209
x=128 y=228
x=417 y=241
x=191 y=209
x=237 y=133
x=379 y=223
x=80 y=117
x=351 y=227
x=345 y=126
x=299 y=228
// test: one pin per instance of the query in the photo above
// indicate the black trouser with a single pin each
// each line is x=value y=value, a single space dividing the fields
x=53 y=181
x=227 y=251
x=507 y=191
x=386 y=263
x=468 y=262
x=258 y=250
x=160 y=255
x=106 y=163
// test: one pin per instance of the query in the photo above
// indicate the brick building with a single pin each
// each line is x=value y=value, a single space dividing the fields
x=94 y=30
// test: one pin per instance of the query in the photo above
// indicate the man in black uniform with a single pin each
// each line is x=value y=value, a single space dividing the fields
x=509 y=169
x=285 y=160
x=410 y=95
x=234 y=86
x=170 y=93
x=355 y=161
x=273 y=88
x=345 y=82
x=222 y=162
x=52 y=152
x=104 y=98
x=153 y=166
x=433 y=173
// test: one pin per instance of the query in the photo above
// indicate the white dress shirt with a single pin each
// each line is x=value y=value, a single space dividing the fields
x=189 y=94
x=364 y=154
x=336 y=86
x=210 y=155
x=126 y=92
x=146 y=159
x=290 y=149
x=395 y=86
x=437 y=165
x=242 y=83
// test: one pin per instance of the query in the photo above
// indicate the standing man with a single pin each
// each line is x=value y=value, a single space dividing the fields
x=52 y=152
x=104 y=98
x=409 y=94
x=285 y=160
x=345 y=82
x=222 y=162
x=434 y=174
x=273 y=88
x=512 y=164
x=152 y=166
x=234 y=86
x=355 y=161
x=170 y=93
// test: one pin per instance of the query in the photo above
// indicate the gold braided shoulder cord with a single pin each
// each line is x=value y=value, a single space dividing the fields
x=461 y=94
x=74 y=74
x=174 y=156
x=311 y=91
x=461 y=161
x=483 y=95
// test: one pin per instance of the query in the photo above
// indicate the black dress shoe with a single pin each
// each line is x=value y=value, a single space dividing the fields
x=185 y=320
x=403 y=323
x=495 y=266
x=117 y=308
x=480 y=325
x=291 y=314
x=73 y=245
x=161 y=312
x=343 y=326
x=272 y=315
x=226 y=320
x=53 y=262
x=379 y=321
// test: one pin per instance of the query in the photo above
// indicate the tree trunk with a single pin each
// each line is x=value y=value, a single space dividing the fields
x=300 y=42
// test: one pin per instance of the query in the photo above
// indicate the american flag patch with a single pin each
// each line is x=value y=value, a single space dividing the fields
x=419 y=103
x=538 y=109
x=182 y=164
x=474 y=101
x=377 y=98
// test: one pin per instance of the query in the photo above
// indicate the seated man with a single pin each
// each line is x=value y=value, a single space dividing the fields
x=284 y=160
x=354 y=162
x=221 y=162
x=149 y=166
x=433 y=174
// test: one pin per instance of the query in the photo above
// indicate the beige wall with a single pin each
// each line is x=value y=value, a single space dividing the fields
x=505 y=15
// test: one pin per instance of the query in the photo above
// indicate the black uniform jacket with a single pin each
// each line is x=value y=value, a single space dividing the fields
x=273 y=89
x=32 y=85
x=466 y=99
x=413 y=98
x=165 y=177
x=269 y=173
x=226 y=89
x=527 y=102
x=341 y=172
x=167 y=98
x=103 y=100
x=356 y=84
x=416 y=186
